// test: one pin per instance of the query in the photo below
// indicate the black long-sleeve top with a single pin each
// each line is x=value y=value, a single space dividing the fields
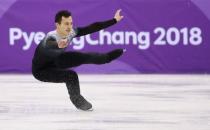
x=48 y=49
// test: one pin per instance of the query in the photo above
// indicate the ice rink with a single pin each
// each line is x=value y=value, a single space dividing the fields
x=121 y=102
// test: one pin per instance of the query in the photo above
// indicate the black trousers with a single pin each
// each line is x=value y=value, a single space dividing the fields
x=59 y=71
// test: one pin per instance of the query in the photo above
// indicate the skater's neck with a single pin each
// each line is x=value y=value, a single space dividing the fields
x=60 y=34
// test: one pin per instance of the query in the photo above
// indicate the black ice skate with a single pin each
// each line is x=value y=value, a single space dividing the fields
x=80 y=103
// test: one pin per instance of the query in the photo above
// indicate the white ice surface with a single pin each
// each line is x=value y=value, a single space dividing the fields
x=121 y=102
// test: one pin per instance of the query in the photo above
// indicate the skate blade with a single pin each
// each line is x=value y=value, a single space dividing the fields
x=89 y=110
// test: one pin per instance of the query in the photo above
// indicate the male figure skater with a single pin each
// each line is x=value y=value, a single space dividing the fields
x=51 y=62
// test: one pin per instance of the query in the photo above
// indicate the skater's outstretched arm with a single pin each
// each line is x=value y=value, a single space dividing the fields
x=97 y=26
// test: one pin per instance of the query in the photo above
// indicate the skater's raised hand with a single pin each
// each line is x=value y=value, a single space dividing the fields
x=117 y=16
x=63 y=43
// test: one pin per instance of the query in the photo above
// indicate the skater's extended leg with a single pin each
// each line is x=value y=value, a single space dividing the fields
x=72 y=59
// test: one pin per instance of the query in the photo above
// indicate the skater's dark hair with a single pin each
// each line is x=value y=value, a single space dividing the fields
x=60 y=14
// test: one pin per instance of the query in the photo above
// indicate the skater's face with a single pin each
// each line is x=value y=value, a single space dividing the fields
x=64 y=28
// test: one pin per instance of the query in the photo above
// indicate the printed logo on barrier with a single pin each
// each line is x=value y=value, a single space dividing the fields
x=164 y=37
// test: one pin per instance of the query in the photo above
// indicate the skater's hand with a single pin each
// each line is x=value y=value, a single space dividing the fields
x=63 y=43
x=117 y=16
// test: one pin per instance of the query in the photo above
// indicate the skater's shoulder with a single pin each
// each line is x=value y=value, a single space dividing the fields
x=52 y=33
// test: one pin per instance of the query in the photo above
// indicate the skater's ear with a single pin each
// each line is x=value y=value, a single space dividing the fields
x=57 y=25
